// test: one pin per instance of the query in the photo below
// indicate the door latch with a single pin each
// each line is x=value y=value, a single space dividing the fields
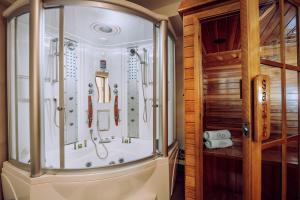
x=245 y=129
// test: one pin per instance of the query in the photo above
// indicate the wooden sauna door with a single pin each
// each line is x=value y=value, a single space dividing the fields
x=259 y=167
x=279 y=60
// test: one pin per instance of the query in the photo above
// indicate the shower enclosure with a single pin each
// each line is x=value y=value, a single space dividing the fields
x=90 y=85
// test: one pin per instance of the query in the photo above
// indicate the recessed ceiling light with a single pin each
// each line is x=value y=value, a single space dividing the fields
x=220 y=40
x=105 y=29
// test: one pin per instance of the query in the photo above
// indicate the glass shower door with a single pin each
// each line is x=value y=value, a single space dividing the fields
x=98 y=104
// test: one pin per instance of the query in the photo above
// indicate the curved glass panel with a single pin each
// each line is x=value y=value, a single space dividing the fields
x=108 y=88
x=50 y=89
x=18 y=86
x=171 y=88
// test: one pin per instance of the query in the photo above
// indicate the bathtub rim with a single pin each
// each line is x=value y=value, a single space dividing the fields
x=97 y=168
x=81 y=175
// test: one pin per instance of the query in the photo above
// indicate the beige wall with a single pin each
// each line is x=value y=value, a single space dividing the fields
x=3 y=113
x=179 y=93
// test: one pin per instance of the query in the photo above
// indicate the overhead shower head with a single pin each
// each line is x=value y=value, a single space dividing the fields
x=132 y=52
x=71 y=45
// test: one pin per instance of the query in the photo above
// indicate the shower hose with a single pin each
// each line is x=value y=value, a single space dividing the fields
x=95 y=145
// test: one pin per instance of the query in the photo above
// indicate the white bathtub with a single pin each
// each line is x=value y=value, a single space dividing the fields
x=145 y=180
x=77 y=159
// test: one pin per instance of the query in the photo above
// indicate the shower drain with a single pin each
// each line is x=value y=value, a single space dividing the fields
x=88 y=164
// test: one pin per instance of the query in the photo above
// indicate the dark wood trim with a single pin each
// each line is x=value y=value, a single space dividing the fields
x=293 y=138
x=271 y=63
x=272 y=143
x=278 y=142
x=189 y=7
x=279 y=65
x=294 y=2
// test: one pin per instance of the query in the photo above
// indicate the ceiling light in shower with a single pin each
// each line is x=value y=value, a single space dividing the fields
x=105 y=29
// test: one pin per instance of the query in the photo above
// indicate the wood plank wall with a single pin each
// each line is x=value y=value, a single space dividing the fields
x=292 y=102
x=3 y=113
x=275 y=99
x=223 y=103
x=189 y=103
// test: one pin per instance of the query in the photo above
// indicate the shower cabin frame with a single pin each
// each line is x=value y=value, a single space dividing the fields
x=35 y=9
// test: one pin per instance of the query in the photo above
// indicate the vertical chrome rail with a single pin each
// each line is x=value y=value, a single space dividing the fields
x=34 y=89
x=164 y=65
x=154 y=91
x=61 y=107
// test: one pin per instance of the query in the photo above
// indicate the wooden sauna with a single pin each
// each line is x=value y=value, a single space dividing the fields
x=229 y=47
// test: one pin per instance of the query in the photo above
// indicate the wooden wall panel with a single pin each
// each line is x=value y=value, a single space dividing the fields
x=3 y=114
x=223 y=178
x=223 y=105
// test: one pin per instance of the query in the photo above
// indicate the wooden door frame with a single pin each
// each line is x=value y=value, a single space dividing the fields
x=250 y=68
x=194 y=103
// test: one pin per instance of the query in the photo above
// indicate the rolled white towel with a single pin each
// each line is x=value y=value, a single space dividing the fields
x=213 y=144
x=217 y=135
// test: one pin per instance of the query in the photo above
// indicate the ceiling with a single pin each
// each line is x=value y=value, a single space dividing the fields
x=223 y=33
x=81 y=24
x=154 y=4
x=270 y=25
x=165 y=7
x=6 y=2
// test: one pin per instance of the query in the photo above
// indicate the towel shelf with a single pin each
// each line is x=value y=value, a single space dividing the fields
x=236 y=152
